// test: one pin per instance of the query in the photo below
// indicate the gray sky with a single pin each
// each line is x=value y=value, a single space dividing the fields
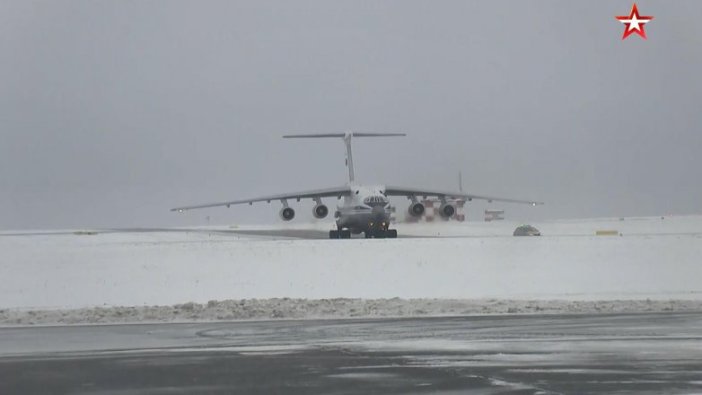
x=111 y=112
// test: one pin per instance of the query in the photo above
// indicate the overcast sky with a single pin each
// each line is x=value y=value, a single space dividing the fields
x=112 y=112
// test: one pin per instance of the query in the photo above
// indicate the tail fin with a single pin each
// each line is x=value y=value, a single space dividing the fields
x=347 y=140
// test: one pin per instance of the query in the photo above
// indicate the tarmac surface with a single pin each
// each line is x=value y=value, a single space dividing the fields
x=517 y=354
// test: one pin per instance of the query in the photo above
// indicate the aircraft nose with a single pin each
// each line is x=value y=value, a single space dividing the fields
x=375 y=201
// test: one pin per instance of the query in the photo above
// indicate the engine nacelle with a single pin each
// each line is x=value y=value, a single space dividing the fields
x=416 y=209
x=447 y=210
x=287 y=213
x=320 y=211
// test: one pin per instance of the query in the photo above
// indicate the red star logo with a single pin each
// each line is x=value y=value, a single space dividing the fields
x=634 y=23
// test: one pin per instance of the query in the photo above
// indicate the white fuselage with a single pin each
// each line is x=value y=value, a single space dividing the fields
x=366 y=208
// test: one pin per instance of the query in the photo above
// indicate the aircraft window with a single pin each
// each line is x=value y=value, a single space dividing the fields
x=356 y=192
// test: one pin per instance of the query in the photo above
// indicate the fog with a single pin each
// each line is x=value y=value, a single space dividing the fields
x=113 y=112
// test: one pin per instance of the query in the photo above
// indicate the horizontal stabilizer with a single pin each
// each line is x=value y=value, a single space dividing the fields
x=353 y=134
x=312 y=136
x=356 y=134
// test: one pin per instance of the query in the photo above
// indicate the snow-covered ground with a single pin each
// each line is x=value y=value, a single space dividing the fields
x=654 y=258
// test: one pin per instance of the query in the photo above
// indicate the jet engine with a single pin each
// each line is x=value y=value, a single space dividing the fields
x=416 y=209
x=447 y=210
x=320 y=211
x=287 y=213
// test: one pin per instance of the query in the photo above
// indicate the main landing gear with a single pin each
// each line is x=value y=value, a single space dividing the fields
x=369 y=234
x=381 y=234
x=340 y=234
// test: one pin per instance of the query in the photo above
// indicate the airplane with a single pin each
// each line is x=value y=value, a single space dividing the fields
x=365 y=208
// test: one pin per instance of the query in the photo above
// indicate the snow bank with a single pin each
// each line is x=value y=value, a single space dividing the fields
x=655 y=259
x=263 y=309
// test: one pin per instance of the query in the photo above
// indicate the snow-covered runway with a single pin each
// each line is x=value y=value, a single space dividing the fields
x=654 y=259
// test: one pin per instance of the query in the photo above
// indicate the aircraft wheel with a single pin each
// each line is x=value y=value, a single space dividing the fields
x=333 y=234
x=392 y=233
x=381 y=234
x=368 y=234
x=345 y=234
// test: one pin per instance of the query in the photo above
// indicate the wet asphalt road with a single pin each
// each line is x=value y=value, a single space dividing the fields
x=569 y=354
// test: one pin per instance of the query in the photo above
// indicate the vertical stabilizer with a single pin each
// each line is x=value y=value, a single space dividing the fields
x=349 y=157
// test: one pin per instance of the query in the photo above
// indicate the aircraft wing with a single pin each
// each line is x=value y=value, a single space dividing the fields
x=319 y=193
x=400 y=191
